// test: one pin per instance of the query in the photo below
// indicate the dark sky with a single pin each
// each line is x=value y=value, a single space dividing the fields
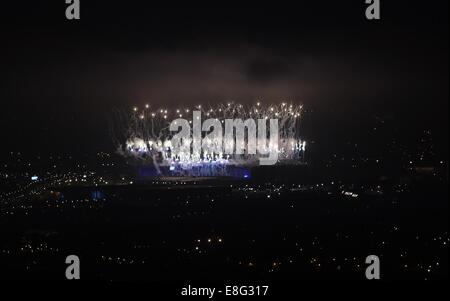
x=60 y=79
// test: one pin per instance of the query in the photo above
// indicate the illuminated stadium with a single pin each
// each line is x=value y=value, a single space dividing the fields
x=243 y=137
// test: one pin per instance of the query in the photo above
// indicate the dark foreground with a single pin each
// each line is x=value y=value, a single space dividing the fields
x=230 y=230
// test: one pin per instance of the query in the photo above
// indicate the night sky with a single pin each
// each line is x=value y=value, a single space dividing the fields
x=61 y=79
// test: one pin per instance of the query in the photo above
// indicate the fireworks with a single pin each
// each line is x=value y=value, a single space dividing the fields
x=145 y=134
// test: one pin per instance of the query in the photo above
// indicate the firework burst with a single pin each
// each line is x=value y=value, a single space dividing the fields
x=144 y=134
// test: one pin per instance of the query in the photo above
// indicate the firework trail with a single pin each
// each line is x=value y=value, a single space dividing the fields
x=144 y=134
